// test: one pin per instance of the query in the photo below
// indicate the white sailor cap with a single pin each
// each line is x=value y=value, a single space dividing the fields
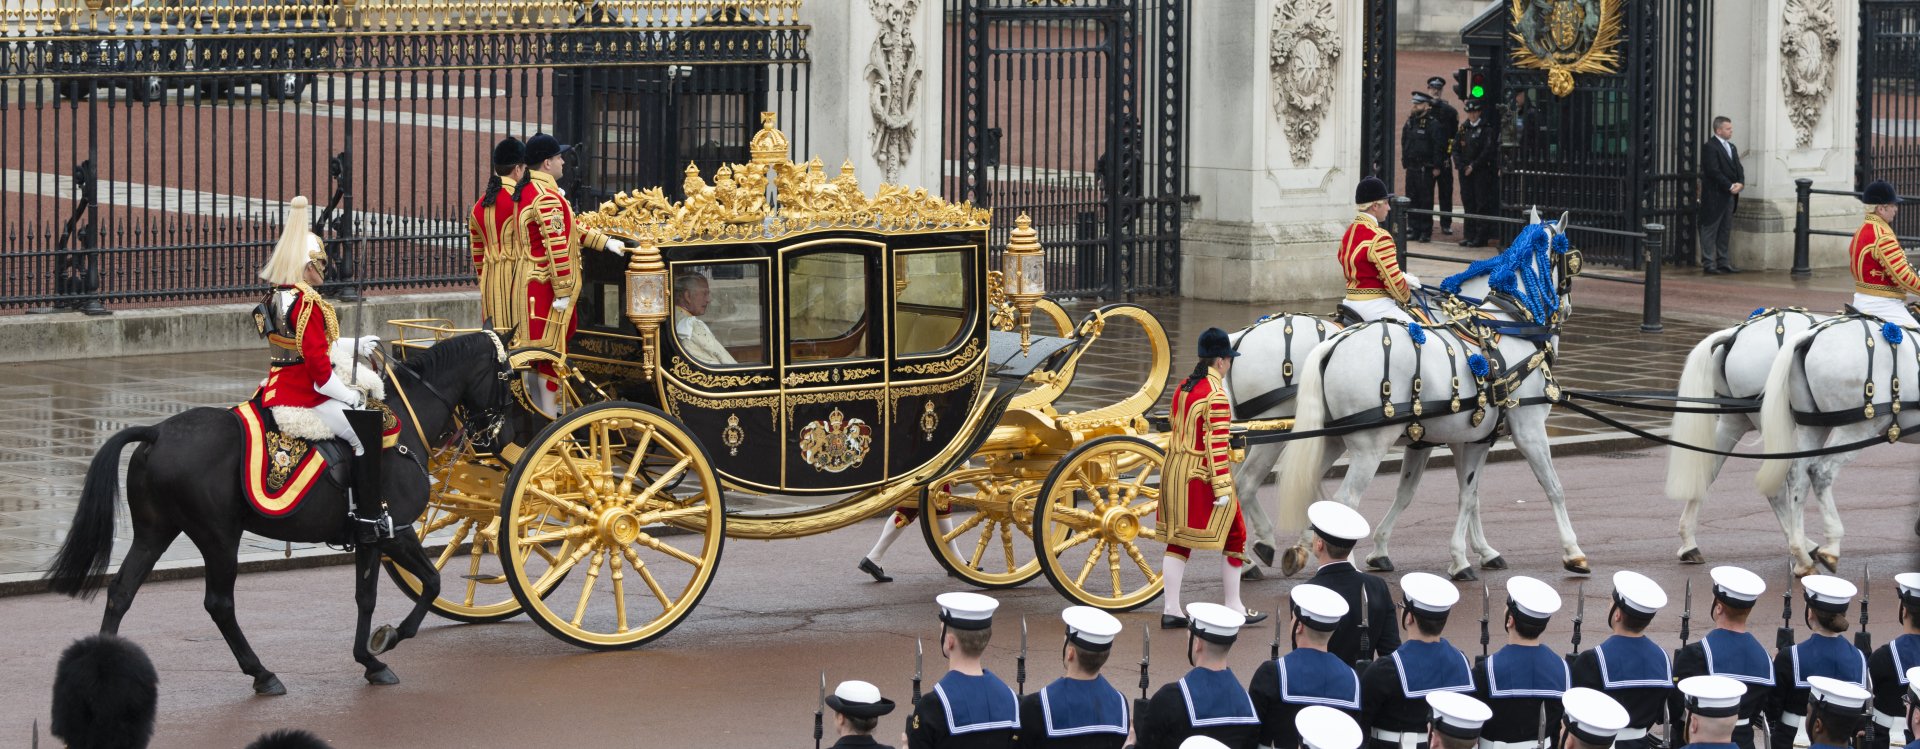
x=1322 y=727
x=1090 y=628
x=1339 y=524
x=1713 y=696
x=1215 y=623
x=1592 y=715
x=1529 y=598
x=1202 y=742
x=1913 y=686
x=1638 y=593
x=859 y=699
x=1317 y=607
x=966 y=610
x=1428 y=595
x=1841 y=697
x=1909 y=583
x=1458 y=715
x=1737 y=587
x=1828 y=593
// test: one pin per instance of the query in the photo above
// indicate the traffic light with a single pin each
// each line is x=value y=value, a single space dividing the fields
x=1469 y=84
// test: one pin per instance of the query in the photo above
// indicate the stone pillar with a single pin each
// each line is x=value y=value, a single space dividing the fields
x=1793 y=112
x=1275 y=184
x=875 y=89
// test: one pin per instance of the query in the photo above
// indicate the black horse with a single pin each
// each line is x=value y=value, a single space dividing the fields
x=186 y=477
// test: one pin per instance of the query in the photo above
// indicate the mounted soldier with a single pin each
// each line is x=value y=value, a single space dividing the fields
x=553 y=241
x=499 y=240
x=1882 y=279
x=1376 y=287
x=1522 y=682
x=1201 y=507
x=1729 y=650
x=302 y=329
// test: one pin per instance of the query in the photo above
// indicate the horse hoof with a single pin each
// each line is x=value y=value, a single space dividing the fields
x=268 y=685
x=1380 y=564
x=1827 y=559
x=1294 y=560
x=382 y=676
x=1577 y=565
x=1693 y=556
x=383 y=639
x=1465 y=575
x=1496 y=563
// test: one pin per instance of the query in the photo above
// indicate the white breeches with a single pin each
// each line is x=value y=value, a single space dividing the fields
x=1381 y=308
x=1891 y=310
x=333 y=413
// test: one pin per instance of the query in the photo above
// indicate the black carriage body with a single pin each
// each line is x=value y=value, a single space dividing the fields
x=857 y=356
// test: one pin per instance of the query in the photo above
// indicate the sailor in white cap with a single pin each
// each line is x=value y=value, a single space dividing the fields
x=1888 y=668
x=857 y=707
x=1393 y=690
x=1913 y=706
x=1629 y=666
x=1713 y=705
x=1322 y=727
x=1457 y=720
x=1208 y=700
x=1523 y=681
x=1202 y=742
x=1593 y=719
x=1729 y=649
x=969 y=707
x=1307 y=676
x=1079 y=710
x=1836 y=712
x=1336 y=528
x=1825 y=652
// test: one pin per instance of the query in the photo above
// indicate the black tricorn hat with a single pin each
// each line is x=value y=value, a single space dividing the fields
x=1214 y=344
x=1371 y=189
x=105 y=693
x=509 y=152
x=543 y=146
x=1880 y=193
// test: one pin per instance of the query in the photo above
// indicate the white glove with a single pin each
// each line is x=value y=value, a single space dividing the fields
x=561 y=304
x=614 y=246
x=1413 y=281
x=337 y=389
x=369 y=344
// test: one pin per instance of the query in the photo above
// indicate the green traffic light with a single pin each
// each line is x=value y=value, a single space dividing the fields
x=1478 y=92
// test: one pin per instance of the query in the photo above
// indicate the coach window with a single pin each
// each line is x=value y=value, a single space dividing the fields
x=719 y=318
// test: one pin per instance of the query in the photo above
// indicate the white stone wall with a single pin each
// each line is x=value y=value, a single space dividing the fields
x=1435 y=24
x=842 y=45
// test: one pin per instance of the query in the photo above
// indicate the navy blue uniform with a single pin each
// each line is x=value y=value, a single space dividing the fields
x=1517 y=682
x=1202 y=703
x=1737 y=656
x=1075 y=714
x=1300 y=678
x=1888 y=667
x=1818 y=655
x=1393 y=692
x=1341 y=577
x=1634 y=671
x=965 y=711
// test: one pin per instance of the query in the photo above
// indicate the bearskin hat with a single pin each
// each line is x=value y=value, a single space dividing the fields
x=288 y=738
x=105 y=693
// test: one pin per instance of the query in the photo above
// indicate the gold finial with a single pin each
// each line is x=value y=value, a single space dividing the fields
x=1024 y=238
x=769 y=145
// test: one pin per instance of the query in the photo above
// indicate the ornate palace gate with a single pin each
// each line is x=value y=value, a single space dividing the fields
x=1072 y=111
x=1888 y=136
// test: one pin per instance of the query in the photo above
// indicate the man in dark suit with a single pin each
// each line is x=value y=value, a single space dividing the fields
x=1336 y=529
x=1721 y=179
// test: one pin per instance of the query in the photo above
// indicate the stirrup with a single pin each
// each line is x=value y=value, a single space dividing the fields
x=371 y=530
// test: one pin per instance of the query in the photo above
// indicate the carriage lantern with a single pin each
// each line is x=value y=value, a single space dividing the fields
x=647 y=302
x=1025 y=271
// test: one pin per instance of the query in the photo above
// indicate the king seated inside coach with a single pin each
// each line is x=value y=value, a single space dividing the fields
x=692 y=294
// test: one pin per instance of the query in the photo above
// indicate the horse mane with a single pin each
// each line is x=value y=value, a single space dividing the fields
x=465 y=347
x=1523 y=271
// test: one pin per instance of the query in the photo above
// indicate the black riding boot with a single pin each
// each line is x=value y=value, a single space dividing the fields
x=368 y=518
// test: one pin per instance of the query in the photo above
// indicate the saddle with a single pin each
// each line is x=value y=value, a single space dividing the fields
x=288 y=451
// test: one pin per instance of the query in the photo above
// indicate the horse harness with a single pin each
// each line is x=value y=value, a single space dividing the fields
x=1870 y=407
x=1259 y=404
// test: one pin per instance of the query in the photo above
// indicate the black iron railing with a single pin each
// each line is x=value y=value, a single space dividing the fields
x=1803 y=231
x=151 y=150
x=1649 y=242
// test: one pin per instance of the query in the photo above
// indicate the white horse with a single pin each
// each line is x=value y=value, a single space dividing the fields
x=1730 y=363
x=1263 y=385
x=1355 y=375
x=1839 y=382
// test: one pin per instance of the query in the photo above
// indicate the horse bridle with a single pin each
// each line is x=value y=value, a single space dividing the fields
x=493 y=416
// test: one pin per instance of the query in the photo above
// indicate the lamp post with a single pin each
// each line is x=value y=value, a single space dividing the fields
x=647 y=302
x=1025 y=269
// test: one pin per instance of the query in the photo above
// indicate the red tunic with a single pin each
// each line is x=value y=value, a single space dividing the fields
x=1879 y=265
x=1368 y=258
x=315 y=328
x=1205 y=420
x=487 y=225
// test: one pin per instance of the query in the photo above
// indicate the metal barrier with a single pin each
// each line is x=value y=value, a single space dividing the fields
x=1803 y=231
x=1649 y=243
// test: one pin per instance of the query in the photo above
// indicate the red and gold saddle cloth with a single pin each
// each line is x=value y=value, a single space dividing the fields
x=279 y=469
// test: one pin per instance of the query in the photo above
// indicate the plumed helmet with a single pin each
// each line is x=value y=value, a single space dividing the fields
x=297 y=247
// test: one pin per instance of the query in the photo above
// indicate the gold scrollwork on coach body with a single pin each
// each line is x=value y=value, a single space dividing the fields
x=816 y=377
x=684 y=372
x=768 y=402
x=896 y=394
x=1564 y=37
x=949 y=365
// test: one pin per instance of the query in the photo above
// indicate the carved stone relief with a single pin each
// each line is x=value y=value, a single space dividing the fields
x=893 y=84
x=1304 y=46
x=1808 y=40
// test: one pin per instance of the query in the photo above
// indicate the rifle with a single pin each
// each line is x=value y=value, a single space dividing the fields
x=916 y=672
x=1146 y=657
x=1366 y=635
x=1861 y=639
x=820 y=711
x=1280 y=613
x=1540 y=734
x=1486 y=609
x=1020 y=673
x=1579 y=616
x=1783 y=638
x=1686 y=615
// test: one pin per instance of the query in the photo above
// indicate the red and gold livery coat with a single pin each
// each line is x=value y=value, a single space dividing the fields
x=1879 y=265
x=553 y=239
x=488 y=227
x=315 y=327
x=1199 y=467
x=1368 y=258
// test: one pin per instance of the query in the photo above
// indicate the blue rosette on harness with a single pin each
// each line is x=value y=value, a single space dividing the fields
x=1524 y=271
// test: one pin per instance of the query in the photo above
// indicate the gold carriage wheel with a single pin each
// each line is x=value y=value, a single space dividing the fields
x=990 y=541
x=462 y=518
x=579 y=488
x=1095 y=537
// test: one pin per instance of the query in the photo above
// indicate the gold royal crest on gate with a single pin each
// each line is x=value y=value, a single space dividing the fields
x=836 y=443
x=1564 y=37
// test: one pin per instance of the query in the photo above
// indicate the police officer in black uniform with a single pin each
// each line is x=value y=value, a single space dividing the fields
x=1307 y=676
x=1448 y=120
x=1336 y=528
x=969 y=707
x=1209 y=700
x=1629 y=666
x=1523 y=681
x=1393 y=692
x=1475 y=149
x=1080 y=710
x=1730 y=650
x=1423 y=153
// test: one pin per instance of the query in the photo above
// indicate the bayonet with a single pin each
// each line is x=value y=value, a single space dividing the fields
x=1783 y=639
x=1686 y=615
x=1366 y=634
x=1020 y=673
x=917 y=652
x=1579 y=616
x=1540 y=734
x=1861 y=639
x=1282 y=612
x=820 y=711
x=1486 y=611
x=1146 y=657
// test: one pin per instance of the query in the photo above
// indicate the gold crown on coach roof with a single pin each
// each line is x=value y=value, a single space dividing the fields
x=735 y=206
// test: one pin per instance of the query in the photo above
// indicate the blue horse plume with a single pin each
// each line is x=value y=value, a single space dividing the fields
x=1523 y=271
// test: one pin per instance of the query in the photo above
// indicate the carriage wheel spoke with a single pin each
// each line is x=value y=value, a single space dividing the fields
x=1006 y=542
x=453 y=546
x=646 y=575
x=558 y=571
x=1140 y=560
x=655 y=544
x=569 y=506
x=669 y=516
x=619 y=593
x=1113 y=564
x=586 y=588
x=567 y=451
x=963 y=527
x=639 y=455
x=473 y=571
x=1080 y=580
x=660 y=484
x=980 y=549
x=572 y=533
x=1078 y=538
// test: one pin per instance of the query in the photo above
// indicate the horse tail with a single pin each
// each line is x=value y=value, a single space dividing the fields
x=79 y=569
x=1300 y=464
x=1776 y=414
x=1690 y=471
